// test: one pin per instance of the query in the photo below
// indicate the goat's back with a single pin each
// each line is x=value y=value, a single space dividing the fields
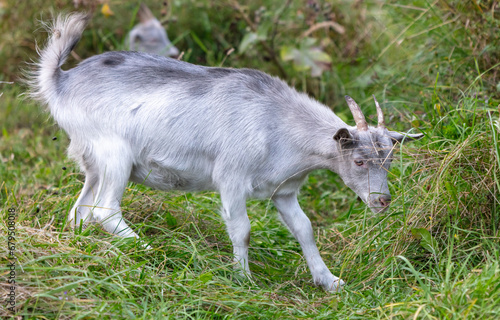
x=179 y=120
x=180 y=125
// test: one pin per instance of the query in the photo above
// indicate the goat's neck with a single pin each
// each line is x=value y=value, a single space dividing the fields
x=316 y=125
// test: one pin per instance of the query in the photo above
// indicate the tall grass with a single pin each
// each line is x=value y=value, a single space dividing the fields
x=433 y=255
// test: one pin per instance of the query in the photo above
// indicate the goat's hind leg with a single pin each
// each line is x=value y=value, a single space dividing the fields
x=81 y=213
x=114 y=178
x=105 y=183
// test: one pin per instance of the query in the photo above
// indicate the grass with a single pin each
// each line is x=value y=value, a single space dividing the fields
x=433 y=255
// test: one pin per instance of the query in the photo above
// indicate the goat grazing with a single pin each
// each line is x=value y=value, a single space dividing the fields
x=149 y=35
x=169 y=124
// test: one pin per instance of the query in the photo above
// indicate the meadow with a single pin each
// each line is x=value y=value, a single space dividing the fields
x=435 y=254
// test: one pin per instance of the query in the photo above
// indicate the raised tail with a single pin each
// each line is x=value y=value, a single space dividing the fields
x=65 y=32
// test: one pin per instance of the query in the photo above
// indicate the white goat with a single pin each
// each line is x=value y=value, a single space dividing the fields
x=169 y=124
x=150 y=36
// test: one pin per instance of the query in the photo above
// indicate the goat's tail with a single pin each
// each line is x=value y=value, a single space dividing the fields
x=65 y=32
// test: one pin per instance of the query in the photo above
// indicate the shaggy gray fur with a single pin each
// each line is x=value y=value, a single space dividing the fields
x=169 y=124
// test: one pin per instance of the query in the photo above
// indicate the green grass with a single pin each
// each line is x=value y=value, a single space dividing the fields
x=434 y=255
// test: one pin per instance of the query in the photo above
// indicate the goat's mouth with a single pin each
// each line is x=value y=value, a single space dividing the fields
x=377 y=202
x=378 y=208
x=380 y=203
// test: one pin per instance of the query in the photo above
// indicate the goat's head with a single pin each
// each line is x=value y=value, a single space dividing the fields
x=365 y=156
x=150 y=36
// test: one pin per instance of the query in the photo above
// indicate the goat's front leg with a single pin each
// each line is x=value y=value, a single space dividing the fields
x=300 y=226
x=235 y=215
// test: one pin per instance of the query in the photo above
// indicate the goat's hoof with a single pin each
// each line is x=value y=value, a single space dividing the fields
x=331 y=283
x=336 y=286
x=81 y=226
x=145 y=246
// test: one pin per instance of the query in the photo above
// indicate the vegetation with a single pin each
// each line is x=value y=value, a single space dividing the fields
x=434 y=66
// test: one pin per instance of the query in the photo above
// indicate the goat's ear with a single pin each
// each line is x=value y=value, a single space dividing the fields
x=404 y=137
x=344 y=137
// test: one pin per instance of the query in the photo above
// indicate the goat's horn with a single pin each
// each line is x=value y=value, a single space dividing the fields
x=144 y=13
x=380 y=114
x=359 y=118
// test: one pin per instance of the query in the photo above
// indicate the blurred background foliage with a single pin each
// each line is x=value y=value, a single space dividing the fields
x=327 y=48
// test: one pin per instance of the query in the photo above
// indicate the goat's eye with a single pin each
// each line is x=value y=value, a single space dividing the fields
x=359 y=162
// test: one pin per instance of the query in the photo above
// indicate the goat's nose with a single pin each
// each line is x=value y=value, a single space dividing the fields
x=385 y=200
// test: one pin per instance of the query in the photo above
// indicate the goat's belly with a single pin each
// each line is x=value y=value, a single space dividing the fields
x=267 y=188
x=167 y=178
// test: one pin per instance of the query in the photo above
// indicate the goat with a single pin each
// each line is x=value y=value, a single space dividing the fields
x=169 y=124
x=149 y=35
